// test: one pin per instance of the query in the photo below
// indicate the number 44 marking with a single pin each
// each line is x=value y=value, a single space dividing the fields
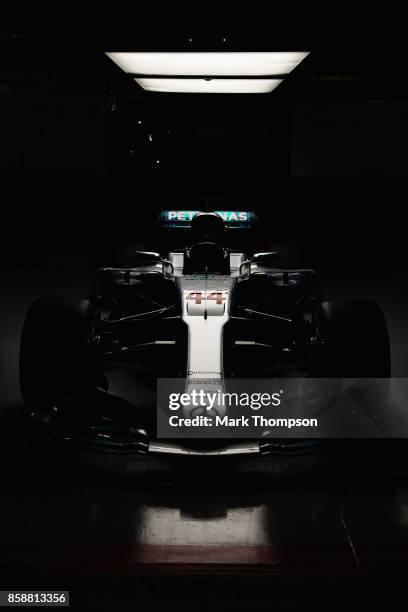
x=199 y=296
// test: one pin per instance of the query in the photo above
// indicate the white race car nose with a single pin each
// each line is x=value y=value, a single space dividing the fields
x=205 y=311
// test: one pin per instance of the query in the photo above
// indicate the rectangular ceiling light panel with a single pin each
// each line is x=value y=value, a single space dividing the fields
x=209 y=64
x=243 y=72
x=244 y=86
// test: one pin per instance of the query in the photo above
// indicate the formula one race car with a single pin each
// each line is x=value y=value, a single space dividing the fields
x=89 y=369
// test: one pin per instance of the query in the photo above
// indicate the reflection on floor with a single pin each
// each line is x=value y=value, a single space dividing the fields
x=57 y=517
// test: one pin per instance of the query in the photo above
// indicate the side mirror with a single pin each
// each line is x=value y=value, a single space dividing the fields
x=146 y=257
x=260 y=259
x=265 y=259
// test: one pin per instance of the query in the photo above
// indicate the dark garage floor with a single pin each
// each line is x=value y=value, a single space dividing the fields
x=183 y=529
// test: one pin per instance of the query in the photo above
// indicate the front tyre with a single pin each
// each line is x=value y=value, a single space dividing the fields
x=55 y=353
x=354 y=344
x=355 y=341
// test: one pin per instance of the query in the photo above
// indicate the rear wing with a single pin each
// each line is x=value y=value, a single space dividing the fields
x=176 y=219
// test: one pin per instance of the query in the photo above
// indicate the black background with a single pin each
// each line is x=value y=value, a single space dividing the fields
x=323 y=161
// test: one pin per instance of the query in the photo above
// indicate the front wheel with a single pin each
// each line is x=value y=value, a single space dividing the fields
x=355 y=341
x=55 y=353
x=355 y=346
